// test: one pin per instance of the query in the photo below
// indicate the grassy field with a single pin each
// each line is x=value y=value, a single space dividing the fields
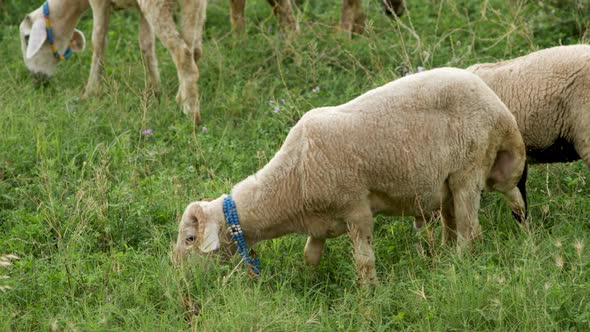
x=91 y=205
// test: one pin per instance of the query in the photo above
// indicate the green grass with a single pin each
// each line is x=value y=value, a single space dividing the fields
x=91 y=205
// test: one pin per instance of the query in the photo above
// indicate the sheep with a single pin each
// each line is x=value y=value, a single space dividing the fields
x=425 y=142
x=352 y=19
x=547 y=92
x=155 y=17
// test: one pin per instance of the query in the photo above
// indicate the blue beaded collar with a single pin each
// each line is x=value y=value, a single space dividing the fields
x=230 y=213
x=56 y=54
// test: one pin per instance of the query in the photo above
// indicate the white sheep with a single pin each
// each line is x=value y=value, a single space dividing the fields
x=421 y=143
x=41 y=56
x=548 y=93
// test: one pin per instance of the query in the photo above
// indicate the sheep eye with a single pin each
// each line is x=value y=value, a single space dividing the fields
x=27 y=39
x=189 y=239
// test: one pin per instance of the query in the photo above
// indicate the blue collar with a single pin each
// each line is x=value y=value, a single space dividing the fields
x=230 y=213
x=50 y=39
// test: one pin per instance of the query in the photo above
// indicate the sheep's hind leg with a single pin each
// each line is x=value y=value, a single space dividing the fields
x=466 y=199
x=159 y=15
x=352 y=19
x=360 y=229
x=193 y=20
x=449 y=230
x=313 y=251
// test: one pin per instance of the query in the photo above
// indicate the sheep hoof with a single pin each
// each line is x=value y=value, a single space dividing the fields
x=369 y=282
x=89 y=93
x=154 y=91
x=194 y=114
x=179 y=97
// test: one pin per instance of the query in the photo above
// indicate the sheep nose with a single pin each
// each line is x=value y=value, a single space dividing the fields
x=40 y=79
x=178 y=255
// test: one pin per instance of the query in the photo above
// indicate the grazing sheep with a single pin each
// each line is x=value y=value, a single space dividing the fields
x=421 y=143
x=547 y=92
x=352 y=18
x=156 y=17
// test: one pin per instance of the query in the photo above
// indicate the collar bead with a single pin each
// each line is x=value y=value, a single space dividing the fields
x=50 y=39
x=230 y=213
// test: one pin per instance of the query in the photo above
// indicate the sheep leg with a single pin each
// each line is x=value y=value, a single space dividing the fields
x=313 y=251
x=466 y=197
x=101 y=11
x=193 y=20
x=236 y=10
x=394 y=7
x=282 y=9
x=360 y=229
x=449 y=230
x=359 y=18
x=419 y=222
x=582 y=137
x=147 y=44
x=352 y=19
x=159 y=15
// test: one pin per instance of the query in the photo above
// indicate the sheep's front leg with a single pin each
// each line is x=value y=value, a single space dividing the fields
x=582 y=131
x=282 y=9
x=313 y=251
x=360 y=229
x=101 y=11
x=159 y=15
x=236 y=10
x=147 y=44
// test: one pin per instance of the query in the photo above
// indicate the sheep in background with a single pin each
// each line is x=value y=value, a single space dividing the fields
x=352 y=18
x=425 y=142
x=548 y=93
x=41 y=55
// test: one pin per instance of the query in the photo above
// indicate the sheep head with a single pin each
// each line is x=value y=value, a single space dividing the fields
x=200 y=228
x=508 y=176
x=37 y=54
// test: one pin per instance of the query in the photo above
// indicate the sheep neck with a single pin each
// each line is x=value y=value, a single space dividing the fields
x=65 y=15
x=267 y=204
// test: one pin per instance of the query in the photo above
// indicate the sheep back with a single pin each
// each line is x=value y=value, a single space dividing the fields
x=547 y=93
x=398 y=143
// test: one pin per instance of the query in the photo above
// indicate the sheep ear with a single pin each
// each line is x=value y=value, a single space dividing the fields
x=36 y=39
x=210 y=240
x=78 y=42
